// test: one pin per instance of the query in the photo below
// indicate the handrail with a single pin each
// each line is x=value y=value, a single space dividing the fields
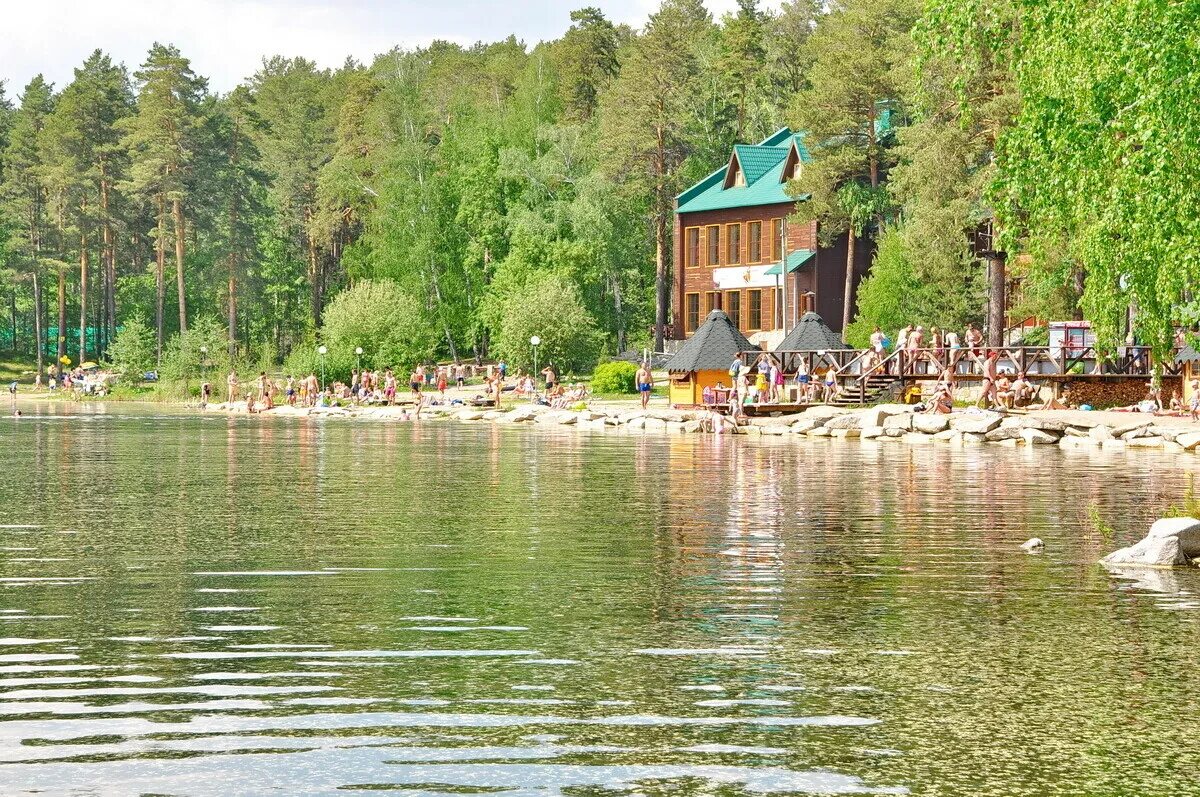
x=858 y=366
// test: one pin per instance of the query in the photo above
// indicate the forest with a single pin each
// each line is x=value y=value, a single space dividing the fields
x=446 y=201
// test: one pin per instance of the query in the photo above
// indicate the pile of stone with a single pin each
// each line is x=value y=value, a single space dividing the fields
x=883 y=423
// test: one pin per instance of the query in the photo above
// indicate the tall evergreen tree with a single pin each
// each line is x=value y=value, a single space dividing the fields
x=161 y=139
x=743 y=57
x=587 y=61
x=644 y=122
x=292 y=99
x=23 y=195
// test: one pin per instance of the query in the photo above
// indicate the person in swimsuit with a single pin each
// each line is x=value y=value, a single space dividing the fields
x=414 y=384
x=231 y=385
x=645 y=383
x=389 y=387
x=988 y=395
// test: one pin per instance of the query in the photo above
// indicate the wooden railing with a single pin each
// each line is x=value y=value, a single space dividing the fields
x=856 y=367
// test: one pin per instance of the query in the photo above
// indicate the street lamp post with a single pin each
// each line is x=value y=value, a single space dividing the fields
x=358 y=353
x=322 y=350
x=535 y=341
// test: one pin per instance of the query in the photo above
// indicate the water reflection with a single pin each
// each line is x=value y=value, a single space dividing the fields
x=437 y=608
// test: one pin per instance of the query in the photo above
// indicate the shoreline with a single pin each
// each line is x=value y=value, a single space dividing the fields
x=1105 y=429
x=887 y=422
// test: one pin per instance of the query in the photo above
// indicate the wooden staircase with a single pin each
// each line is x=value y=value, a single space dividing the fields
x=876 y=388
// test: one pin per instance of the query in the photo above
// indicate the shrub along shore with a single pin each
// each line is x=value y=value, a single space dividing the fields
x=884 y=423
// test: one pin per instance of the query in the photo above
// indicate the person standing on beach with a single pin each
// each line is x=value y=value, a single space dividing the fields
x=205 y=393
x=414 y=384
x=645 y=383
x=389 y=387
x=441 y=382
x=231 y=386
x=460 y=375
x=550 y=376
x=988 y=390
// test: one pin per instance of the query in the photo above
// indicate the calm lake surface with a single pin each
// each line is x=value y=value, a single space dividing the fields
x=243 y=606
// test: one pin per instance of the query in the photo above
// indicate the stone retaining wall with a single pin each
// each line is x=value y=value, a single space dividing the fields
x=889 y=422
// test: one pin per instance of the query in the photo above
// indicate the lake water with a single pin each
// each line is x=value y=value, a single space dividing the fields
x=243 y=606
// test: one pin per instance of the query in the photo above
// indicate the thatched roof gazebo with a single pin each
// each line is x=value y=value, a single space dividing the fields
x=704 y=359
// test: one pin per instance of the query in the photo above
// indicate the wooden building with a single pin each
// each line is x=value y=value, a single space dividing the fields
x=703 y=360
x=732 y=239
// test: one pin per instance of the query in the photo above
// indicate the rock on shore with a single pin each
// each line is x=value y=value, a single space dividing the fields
x=1171 y=542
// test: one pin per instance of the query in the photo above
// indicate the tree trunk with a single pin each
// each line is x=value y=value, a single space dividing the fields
x=848 y=301
x=314 y=274
x=62 y=313
x=83 y=292
x=619 y=312
x=996 y=301
x=108 y=258
x=233 y=253
x=160 y=265
x=177 y=218
x=660 y=282
x=12 y=314
x=37 y=322
x=662 y=212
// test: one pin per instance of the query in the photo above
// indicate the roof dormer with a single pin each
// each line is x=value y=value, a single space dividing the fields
x=793 y=166
x=735 y=176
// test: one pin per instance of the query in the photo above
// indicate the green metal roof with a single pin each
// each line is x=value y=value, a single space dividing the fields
x=761 y=164
x=794 y=261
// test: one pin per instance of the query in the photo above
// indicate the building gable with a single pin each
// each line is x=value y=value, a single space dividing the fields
x=757 y=174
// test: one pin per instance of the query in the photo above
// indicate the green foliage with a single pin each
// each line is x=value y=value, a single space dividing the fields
x=891 y=295
x=132 y=351
x=1104 y=150
x=617 y=376
x=549 y=307
x=202 y=351
x=381 y=318
x=336 y=365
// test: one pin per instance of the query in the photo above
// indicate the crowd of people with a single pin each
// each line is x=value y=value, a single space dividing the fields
x=383 y=387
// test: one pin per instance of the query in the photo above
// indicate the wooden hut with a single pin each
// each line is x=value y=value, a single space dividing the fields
x=1188 y=361
x=703 y=360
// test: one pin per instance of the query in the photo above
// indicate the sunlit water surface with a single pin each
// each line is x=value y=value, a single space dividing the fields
x=244 y=606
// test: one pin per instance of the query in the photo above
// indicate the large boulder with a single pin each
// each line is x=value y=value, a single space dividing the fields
x=1131 y=426
x=1037 y=437
x=1003 y=433
x=1100 y=433
x=807 y=423
x=1170 y=542
x=930 y=424
x=845 y=422
x=1188 y=440
x=1145 y=442
x=948 y=436
x=871 y=432
x=902 y=421
x=976 y=422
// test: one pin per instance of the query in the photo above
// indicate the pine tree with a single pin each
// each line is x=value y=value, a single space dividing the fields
x=743 y=56
x=292 y=99
x=644 y=124
x=23 y=195
x=240 y=183
x=161 y=141
x=84 y=159
x=857 y=52
x=587 y=55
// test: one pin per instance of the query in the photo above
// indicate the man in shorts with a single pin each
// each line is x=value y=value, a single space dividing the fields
x=645 y=383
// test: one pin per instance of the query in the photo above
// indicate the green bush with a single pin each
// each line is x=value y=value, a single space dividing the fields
x=305 y=360
x=132 y=351
x=550 y=307
x=615 y=377
x=391 y=326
